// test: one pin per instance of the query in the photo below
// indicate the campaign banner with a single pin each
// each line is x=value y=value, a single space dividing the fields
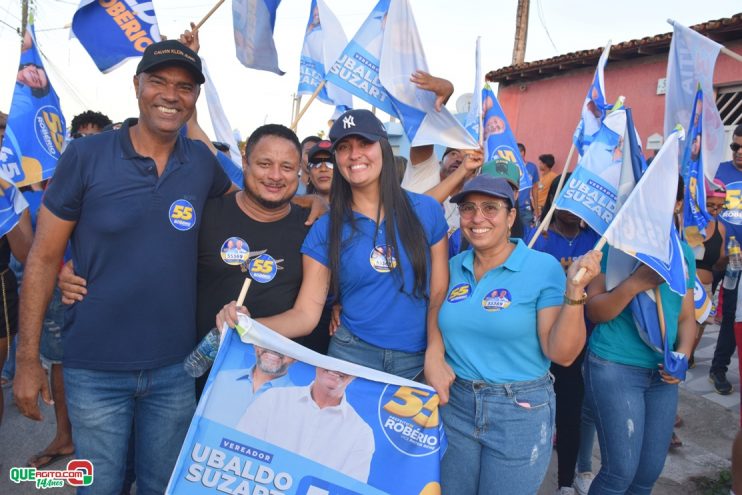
x=701 y=302
x=591 y=192
x=594 y=106
x=695 y=215
x=276 y=418
x=112 y=31
x=690 y=64
x=499 y=140
x=324 y=40
x=35 y=133
x=12 y=204
x=356 y=70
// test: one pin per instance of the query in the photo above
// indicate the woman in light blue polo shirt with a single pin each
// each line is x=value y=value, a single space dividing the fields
x=507 y=315
x=381 y=251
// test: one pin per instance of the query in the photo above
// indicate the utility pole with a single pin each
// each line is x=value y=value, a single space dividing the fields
x=521 y=32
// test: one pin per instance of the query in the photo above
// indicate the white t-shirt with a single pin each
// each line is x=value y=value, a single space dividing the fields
x=336 y=436
x=425 y=176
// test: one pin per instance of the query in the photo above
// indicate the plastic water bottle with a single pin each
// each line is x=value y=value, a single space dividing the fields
x=735 y=255
x=200 y=360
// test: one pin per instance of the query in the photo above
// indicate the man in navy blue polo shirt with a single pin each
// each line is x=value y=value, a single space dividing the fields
x=131 y=202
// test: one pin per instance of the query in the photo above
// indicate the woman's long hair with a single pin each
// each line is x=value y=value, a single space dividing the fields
x=401 y=221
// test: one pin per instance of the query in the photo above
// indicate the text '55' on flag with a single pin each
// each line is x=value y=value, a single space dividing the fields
x=112 y=31
x=34 y=136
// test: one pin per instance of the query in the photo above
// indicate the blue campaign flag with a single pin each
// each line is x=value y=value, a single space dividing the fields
x=499 y=141
x=36 y=129
x=253 y=22
x=594 y=107
x=376 y=66
x=374 y=434
x=112 y=31
x=695 y=215
x=12 y=204
x=324 y=40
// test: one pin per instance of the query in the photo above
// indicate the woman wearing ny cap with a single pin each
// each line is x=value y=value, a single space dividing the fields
x=507 y=315
x=382 y=252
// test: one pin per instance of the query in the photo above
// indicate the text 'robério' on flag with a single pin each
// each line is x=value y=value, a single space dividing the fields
x=112 y=31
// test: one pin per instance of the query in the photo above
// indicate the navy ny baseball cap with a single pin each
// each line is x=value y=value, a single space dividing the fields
x=171 y=52
x=486 y=184
x=357 y=123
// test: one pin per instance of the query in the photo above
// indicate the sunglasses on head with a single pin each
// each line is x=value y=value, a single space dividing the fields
x=327 y=163
x=735 y=147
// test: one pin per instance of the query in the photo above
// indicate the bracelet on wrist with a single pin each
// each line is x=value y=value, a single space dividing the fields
x=575 y=302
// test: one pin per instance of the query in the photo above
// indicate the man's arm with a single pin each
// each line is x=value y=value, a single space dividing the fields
x=40 y=274
x=443 y=90
x=444 y=189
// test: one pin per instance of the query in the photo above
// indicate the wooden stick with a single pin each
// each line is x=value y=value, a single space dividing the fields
x=243 y=291
x=660 y=313
x=213 y=9
x=309 y=102
x=729 y=53
x=545 y=221
x=581 y=273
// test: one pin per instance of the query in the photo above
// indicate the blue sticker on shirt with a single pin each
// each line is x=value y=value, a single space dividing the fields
x=263 y=268
x=378 y=259
x=496 y=300
x=235 y=251
x=459 y=293
x=182 y=215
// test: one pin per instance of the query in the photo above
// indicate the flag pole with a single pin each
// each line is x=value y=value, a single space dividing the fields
x=581 y=273
x=206 y=17
x=309 y=102
x=729 y=53
x=660 y=312
x=545 y=221
x=243 y=291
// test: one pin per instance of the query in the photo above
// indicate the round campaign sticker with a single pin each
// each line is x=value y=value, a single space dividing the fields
x=410 y=421
x=378 y=259
x=496 y=300
x=459 y=293
x=182 y=215
x=235 y=251
x=263 y=268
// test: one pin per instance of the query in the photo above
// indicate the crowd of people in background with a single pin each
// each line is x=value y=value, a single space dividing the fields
x=419 y=268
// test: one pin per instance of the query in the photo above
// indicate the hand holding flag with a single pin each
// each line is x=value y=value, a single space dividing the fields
x=442 y=88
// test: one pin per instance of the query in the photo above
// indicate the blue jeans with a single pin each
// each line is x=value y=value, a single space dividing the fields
x=344 y=345
x=103 y=407
x=499 y=437
x=634 y=413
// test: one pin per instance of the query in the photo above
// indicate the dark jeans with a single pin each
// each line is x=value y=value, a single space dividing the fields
x=726 y=344
x=569 y=389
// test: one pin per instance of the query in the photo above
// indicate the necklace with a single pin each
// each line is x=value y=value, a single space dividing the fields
x=570 y=240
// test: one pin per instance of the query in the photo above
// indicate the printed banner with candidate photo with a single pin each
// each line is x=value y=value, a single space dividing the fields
x=113 y=31
x=35 y=133
x=277 y=418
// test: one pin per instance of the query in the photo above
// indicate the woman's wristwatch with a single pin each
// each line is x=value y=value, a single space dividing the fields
x=575 y=302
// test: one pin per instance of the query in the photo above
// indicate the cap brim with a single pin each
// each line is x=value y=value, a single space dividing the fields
x=200 y=79
x=371 y=137
x=459 y=197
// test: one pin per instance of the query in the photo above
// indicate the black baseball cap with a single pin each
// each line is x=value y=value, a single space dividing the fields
x=357 y=123
x=323 y=146
x=171 y=52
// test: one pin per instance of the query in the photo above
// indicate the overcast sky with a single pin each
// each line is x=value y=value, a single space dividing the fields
x=448 y=30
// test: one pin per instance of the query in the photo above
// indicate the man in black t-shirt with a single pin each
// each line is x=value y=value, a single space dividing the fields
x=271 y=231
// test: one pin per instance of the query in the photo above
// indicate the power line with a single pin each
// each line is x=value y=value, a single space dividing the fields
x=543 y=24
